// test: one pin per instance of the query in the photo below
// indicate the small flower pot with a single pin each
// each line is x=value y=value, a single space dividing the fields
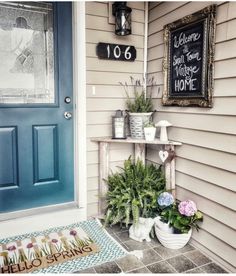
x=163 y=226
x=137 y=122
x=149 y=133
x=171 y=240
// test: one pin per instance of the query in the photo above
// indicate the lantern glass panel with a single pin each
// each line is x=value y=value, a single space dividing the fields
x=123 y=22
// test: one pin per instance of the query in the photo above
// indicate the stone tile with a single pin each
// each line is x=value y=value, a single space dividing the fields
x=110 y=267
x=123 y=236
x=114 y=236
x=213 y=268
x=186 y=248
x=166 y=253
x=115 y=229
x=197 y=257
x=181 y=263
x=129 y=263
x=150 y=256
x=197 y=270
x=154 y=242
x=161 y=267
x=86 y=271
x=135 y=245
x=142 y=270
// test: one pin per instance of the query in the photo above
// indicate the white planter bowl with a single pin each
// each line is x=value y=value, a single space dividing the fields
x=172 y=241
x=162 y=225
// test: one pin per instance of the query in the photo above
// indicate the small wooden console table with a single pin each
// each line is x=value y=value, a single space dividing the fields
x=139 y=152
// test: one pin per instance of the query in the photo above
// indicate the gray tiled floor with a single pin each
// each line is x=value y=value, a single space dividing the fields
x=156 y=258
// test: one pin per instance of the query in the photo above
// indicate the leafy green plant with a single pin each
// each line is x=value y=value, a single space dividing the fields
x=132 y=192
x=142 y=101
x=149 y=124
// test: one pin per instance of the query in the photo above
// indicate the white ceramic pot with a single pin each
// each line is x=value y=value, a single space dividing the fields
x=149 y=133
x=172 y=241
x=163 y=226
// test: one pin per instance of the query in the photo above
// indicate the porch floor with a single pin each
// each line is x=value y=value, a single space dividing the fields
x=156 y=258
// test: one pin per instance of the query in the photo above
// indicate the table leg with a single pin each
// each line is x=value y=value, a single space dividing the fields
x=139 y=152
x=170 y=171
x=103 y=174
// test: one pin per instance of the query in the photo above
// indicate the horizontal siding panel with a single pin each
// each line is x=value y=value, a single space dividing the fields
x=222 y=142
x=100 y=23
x=91 y=51
x=99 y=130
x=221 y=32
x=152 y=5
x=105 y=104
x=219 y=230
x=221 y=106
x=109 y=78
x=212 y=209
x=97 y=8
x=164 y=8
x=92 y=170
x=115 y=155
x=136 y=5
x=93 y=146
x=92 y=197
x=92 y=183
x=207 y=173
x=225 y=87
x=95 y=36
x=225 y=69
x=231 y=10
x=202 y=122
x=209 y=157
x=155 y=65
x=190 y=8
x=92 y=210
x=231 y=30
x=155 y=39
x=220 y=248
x=106 y=91
x=94 y=64
x=156 y=52
x=207 y=190
x=225 y=50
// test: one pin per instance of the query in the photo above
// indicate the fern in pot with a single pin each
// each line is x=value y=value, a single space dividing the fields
x=132 y=193
x=140 y=106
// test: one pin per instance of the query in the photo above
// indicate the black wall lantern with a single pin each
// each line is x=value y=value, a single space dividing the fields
x=122 y=15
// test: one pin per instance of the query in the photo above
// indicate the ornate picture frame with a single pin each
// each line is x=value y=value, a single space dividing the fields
x=188 y=63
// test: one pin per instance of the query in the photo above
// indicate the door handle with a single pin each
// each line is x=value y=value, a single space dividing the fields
x=67 y=115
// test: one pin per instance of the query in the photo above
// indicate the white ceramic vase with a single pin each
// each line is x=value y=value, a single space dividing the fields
x=149 y=133
x=171 y=240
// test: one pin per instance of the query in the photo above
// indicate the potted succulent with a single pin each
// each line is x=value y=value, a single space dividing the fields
x=140 y=108
x=132 y=193
x=182 y=217
x=149 y=131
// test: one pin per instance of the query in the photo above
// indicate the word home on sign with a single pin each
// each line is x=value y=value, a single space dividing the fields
x=116 y=52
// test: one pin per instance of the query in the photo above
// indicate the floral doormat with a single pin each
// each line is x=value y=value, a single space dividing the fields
x=64 y=249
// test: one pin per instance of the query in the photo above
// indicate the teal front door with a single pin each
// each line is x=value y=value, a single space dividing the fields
x=36 y=105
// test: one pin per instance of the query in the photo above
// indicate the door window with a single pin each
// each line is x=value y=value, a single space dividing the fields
x=26 y=53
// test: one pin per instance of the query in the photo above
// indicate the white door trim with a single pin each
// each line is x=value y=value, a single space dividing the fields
x=79 y=206
x=79 y=68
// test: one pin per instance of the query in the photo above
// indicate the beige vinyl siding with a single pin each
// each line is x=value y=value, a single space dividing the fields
x=206 y=162
x=104 y=76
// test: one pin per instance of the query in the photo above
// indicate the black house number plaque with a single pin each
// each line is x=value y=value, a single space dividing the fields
x=116 y=51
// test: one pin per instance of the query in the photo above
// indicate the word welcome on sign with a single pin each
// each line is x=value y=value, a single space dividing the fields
x=188 y=62
x=116 y=52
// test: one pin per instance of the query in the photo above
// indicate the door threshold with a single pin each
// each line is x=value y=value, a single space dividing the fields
x=40 y=222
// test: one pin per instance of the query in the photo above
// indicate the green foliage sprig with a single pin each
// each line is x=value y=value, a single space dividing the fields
x=132 y=192
x=142 y=101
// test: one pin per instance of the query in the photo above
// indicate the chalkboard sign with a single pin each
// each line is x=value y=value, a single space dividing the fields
x=188 y=62
x=116 y=51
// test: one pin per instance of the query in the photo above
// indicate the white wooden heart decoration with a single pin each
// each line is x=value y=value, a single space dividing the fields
x=163 y=155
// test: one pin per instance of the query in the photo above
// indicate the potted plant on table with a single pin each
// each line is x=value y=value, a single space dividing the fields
x=181 y=217
x=140 y=108
x=149 y=131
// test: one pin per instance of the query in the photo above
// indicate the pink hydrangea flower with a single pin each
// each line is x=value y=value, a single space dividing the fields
x=73 y=233
x=187 y=208
x=54 y=240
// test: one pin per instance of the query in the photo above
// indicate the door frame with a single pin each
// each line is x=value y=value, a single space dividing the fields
x=79 y=111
